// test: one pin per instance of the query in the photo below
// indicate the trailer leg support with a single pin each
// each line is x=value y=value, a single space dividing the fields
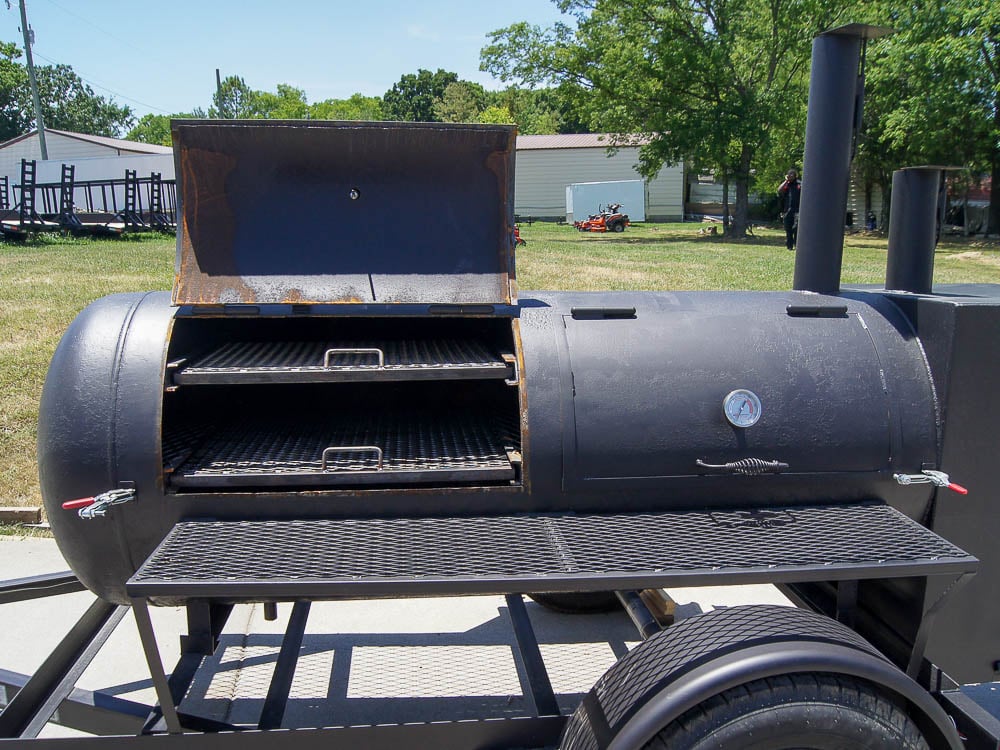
x=281 y=683
x=164 y=695
x=924 y=631
x=34 y=704
x=205 y=622
x=847 y=602
x=539 y=685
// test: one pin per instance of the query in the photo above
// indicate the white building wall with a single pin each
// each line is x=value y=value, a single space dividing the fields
x=856 y=200
x=93 y=162
x=60 y=148
x=541 y=177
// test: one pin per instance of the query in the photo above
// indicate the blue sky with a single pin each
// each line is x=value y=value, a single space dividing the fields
x=161 y=57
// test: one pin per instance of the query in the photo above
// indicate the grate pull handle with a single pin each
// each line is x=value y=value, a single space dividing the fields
x=330 y=353
x=511 y=361
x=352 y=449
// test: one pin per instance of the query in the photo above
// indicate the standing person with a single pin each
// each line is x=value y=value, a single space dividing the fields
x=790 y=191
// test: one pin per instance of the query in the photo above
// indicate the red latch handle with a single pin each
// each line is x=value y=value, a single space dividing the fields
x=82 y=502
x=930 y=476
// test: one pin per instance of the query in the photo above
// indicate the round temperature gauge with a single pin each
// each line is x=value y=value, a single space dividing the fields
x=742 y=408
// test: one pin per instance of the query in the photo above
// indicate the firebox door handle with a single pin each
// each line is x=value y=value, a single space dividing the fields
x=750 y=467
x=352 y=449
x=929 y=476
x=378 y=352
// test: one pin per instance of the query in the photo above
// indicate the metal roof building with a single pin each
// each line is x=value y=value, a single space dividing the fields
x=546 y=164
x=95 y=156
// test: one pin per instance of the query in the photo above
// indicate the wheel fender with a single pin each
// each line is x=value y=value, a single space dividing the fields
x=702 y=656
x=743 y=666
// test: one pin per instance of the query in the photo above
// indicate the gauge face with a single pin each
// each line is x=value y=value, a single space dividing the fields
x=742 y=408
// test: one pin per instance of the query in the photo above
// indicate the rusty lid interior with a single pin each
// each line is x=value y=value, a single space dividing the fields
x=313 y=212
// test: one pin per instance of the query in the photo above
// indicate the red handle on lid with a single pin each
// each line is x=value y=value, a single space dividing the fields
x=958 y=488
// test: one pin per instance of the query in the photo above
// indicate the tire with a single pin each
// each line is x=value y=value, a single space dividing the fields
x=579 y=602
x=815 y=711
x=617 y=227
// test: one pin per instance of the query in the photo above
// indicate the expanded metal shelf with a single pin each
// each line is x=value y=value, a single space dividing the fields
x=316 y=559
x=348 y=448
x=342 y=361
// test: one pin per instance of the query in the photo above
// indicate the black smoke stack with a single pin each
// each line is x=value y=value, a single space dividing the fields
x=836 y=94
x=913 y=229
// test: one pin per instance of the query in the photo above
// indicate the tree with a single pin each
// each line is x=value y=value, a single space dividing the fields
x=705 y=80
x=497 y=115
x=156 y=128
x=234 y=100
x=461 y=101
x=70 y=104
x=67 y=102
x=933 y=90
x=151 y=129
x=14 y=116
x=357 y=107
x=412 y=97
x=287 y=103
x=538 y=111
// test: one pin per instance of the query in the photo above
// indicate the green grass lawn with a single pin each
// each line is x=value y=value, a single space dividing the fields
x=44 y=283
x=674 y=256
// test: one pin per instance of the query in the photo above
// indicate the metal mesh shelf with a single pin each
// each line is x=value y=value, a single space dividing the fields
x=339 y=361
x=351 y=449
x=250 y=560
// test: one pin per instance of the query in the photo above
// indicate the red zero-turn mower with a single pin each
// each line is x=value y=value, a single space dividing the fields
x=610 y=219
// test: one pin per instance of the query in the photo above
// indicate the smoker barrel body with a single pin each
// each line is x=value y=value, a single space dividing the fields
x=99 y=426
x=386 y=376
x=616 y=413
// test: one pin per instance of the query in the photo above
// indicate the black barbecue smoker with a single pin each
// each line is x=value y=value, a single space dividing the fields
x=377 y=412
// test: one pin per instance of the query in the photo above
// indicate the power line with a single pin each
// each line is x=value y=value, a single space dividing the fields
x=92 y=82
x=98 y=27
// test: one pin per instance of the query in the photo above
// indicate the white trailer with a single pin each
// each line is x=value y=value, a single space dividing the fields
x=586 y=198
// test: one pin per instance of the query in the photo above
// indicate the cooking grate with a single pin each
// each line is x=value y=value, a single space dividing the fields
x=349 y=449
x=322 y=361
x=563 y=552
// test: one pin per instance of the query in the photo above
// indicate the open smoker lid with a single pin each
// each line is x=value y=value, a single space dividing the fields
x=320 y=212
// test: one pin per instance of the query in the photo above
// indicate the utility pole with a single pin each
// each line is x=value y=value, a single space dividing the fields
x=31 y=79
x=218 y=94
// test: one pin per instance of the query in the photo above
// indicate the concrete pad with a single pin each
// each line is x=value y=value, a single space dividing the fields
x=361 y=662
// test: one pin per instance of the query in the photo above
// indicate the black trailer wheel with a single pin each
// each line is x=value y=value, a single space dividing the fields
x=815 y=711
x=754 y=678
x=579 y=602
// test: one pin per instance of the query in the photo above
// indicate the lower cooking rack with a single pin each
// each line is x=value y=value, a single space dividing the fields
x=344 y=448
